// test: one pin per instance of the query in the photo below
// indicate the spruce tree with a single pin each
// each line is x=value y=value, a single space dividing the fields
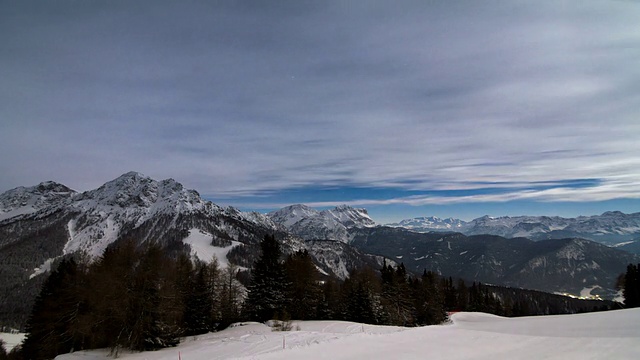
x=361 y=295
x=631 y=290
x=304 y=290
x=429 y=300
x=198 y=304
x=267 y=291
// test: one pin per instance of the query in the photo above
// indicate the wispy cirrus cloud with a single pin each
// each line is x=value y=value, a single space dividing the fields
x=244 y=101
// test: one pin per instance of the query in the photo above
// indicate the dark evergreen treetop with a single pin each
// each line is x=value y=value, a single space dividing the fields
x=631 y=290
x=267 y=291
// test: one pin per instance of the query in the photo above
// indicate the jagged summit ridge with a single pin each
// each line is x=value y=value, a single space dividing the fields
x=135 y=191
x=431 y=223
x=610 y=227
x=26 y=200
x=331 y=224
x=96 y=218
x=351 y=217
x=289 y=215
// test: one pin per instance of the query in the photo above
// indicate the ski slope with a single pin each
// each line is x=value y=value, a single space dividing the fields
x=606 y=335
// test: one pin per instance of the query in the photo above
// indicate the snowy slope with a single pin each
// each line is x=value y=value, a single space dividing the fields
x=605 y=335
x=201 y=248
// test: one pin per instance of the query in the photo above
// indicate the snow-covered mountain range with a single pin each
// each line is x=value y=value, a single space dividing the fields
x=136 y=206
x=331 y=224
x=431 y=223
x=123 y=207
x=41 y=224
x=609 y=228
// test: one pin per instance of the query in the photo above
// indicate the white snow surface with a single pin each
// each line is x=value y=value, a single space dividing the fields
x=45 y=267
x=604 y=335
x=586 y=292
x=11 y=339
x=201 y=247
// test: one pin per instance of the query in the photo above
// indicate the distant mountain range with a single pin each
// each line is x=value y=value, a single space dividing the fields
x=497 y=254
x=570 y=265
x=40 y=225
x=610 y=228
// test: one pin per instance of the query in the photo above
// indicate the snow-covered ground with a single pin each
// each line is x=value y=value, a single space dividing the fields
x=201 y=247
x=11 y=340
x=606 y=335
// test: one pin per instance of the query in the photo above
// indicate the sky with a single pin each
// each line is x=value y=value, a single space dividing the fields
x=407 y=108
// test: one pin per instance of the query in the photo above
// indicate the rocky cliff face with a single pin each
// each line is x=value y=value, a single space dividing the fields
x=332 y=224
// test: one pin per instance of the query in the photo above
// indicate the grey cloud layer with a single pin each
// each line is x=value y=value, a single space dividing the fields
x=235 y=99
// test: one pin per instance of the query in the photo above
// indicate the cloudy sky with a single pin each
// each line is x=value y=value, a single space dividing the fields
x=407 y=108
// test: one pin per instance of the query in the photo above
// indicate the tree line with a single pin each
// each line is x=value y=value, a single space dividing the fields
x=135 y=297
x=144 y=298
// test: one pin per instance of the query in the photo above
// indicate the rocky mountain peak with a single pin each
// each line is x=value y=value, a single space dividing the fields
x=350 y=217
x=288 y=216
x=25 y=200
x=135 y=190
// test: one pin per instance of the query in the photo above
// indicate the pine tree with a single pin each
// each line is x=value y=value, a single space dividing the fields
x=147 y=329
x=52 y=326
x=3 y=351
x=198 y=303
x=267 y=291
x=230 y=297
x=631 y=290
x=304 y=290
x=429 y=300
x=361 y=294
x=329 y=304
x=131 y=299
x=396 y=295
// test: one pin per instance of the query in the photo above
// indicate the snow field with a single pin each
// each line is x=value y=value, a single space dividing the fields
x=11 y=340
x=606 y=335
x=201 y=247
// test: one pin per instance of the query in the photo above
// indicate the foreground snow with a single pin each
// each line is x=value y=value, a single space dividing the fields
x=607 y=335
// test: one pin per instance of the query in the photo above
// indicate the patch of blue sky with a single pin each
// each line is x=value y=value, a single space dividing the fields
x=308 y=194
x=384 y=211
